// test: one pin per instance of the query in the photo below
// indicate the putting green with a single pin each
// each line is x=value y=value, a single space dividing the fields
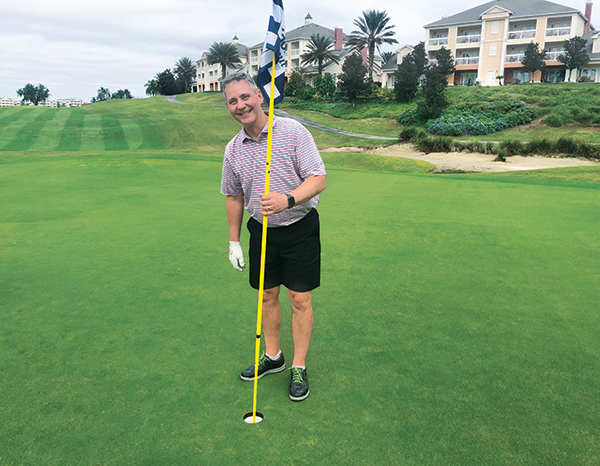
x=456 y=323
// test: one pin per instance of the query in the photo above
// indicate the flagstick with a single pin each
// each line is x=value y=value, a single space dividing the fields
x=263 y=250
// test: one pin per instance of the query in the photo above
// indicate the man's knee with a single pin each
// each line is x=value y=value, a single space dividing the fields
x=300 y=301
x=271 y=295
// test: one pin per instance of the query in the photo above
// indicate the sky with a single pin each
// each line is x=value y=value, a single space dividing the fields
x=76 y=47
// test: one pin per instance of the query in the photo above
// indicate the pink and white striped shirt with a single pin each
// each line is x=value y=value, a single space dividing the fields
x=294 y=158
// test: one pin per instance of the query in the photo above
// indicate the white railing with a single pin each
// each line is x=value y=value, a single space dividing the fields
x=529 y=34
x=558 y=32
x=295 y=52
x=438 y=41
x=433 y=62
x=514 y=58
x=468 y=39
x=467 y=61
x=553 y=55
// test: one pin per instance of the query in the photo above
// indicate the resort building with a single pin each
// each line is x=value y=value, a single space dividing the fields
x=391 y=66
x=6 y=102
x=297 y=40
x=489 y=40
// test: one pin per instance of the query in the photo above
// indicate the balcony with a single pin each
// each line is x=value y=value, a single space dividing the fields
x=433 y=62
x=553 y=32
x=514 y=58
x=438 y=42
x=295 y=52
x=467 y=61
x=518 y=35
x=468 y=39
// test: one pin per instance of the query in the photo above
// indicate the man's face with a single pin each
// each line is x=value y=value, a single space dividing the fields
x=244 y=103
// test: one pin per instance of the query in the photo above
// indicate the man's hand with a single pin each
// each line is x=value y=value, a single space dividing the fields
x=272 y=203
x=236 y=256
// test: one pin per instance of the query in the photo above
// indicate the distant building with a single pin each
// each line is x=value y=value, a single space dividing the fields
x=208 y=76
x=391 y=66
x=490 y=40
x=71 y=102
x=6 y=102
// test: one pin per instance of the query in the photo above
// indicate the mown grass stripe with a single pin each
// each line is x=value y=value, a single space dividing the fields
x=153 y=135
x=113 y=134
x=51 y=132
x=28 y=134
x=70 y=137
x=8 y=115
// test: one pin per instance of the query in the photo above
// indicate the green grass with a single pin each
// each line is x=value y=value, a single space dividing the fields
x=456 y=323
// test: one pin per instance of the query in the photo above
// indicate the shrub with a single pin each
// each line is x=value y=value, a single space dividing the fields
x=566 y=146
x=512 y=147
x=408 y=134
x=408 y=117
x=434 y=144
x=539 y=146
x=554 y=120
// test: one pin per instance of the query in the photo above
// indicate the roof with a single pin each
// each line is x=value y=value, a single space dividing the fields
x=392 y=63
x=589 y=37
x=518 y=8
x=305 y=32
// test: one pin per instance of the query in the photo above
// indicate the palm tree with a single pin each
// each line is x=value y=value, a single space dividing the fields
x=225 y=54
x=387 y=56
x=152 y=87
x=373 y=31
x=185 y=70
x=319 y=52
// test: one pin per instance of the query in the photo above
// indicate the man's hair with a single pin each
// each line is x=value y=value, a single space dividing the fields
x=238 y=76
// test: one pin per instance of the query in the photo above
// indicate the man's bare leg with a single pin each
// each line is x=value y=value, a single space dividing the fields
x=302 y=324
x=271 y=320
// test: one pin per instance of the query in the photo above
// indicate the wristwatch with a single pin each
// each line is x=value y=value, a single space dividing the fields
x=291 y=201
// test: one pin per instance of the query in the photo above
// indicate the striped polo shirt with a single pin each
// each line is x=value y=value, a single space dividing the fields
x=294 y=158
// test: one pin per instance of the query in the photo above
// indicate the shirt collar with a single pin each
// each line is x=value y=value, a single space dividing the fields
x=263 y=133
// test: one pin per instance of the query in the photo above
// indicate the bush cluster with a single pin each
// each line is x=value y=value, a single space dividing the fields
x=479 y=120
x=563 y=146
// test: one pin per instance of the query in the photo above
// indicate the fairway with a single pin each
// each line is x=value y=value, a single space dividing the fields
x=456 y=324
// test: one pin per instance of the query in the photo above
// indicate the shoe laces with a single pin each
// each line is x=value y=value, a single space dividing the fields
x=297 y=375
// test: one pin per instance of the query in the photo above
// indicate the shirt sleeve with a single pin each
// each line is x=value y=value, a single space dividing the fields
x=230 y=182
x=308 y=158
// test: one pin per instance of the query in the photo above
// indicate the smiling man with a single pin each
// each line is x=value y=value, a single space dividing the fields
x=293 y=257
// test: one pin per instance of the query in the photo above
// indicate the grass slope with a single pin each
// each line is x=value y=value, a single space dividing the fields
x=456 y=323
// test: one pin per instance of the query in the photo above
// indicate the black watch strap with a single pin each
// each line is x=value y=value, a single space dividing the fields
x=291 y=201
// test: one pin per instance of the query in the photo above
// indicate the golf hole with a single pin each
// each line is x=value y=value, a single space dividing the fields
x=248 y=417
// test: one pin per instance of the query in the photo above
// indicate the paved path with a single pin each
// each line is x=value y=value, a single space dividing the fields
x=312 y=124
x=172 y=98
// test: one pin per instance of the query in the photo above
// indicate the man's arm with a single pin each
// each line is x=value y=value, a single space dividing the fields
x=235 y=214
x=277 y=202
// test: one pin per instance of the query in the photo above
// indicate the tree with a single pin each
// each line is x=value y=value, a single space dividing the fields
x=166 y=83
x=387 y=56
x=575 y=56
x=33 y=94
x=434 y=93
x=296 y=83
x=225 y=54
x=420 y=59
x=185 y=72
x=373 y=31
x=319 y=52
x=102 y=95
x=406 y=79
x=533 y=59
x=152 y=87
x=352 y=81
x=445 y=61
x=122 y=94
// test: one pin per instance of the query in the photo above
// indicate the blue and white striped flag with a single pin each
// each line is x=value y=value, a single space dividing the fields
x=274 y=43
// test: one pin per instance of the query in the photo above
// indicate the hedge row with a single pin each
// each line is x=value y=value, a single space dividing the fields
x=568 y=147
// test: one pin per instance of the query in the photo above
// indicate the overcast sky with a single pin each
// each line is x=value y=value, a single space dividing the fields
x=75 y=47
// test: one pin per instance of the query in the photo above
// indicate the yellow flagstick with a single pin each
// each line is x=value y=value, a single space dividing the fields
x=263 y=250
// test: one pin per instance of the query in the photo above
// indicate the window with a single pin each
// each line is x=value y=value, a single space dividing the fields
x=493 y=50
x=495 y=27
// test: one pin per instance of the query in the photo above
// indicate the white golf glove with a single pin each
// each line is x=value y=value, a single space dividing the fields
x=236 y=256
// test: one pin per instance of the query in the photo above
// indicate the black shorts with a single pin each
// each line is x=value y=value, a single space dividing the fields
x=293 y=257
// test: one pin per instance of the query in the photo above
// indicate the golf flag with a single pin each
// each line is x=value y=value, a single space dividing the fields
x=274 y=44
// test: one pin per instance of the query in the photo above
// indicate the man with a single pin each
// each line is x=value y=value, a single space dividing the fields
x=293 y=256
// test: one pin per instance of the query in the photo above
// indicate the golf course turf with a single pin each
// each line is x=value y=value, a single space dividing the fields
x=456 y=324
